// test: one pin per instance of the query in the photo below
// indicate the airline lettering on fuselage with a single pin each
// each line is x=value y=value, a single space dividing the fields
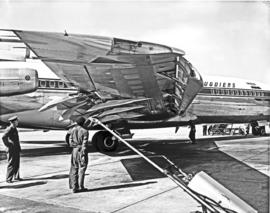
x=219 y=84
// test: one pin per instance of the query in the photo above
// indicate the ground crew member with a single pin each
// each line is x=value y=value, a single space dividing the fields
x=79 y=157
x=210 y=129
x=11 y=141
x=247 y=129
x=204 y=130
x=192 y=133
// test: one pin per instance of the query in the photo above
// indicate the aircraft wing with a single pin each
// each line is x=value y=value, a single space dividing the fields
x=109 y=69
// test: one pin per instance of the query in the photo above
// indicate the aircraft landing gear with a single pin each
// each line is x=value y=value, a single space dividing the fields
x=67 y=138
x=105 y=141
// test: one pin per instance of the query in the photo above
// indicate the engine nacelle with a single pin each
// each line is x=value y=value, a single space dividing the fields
x=15 y=81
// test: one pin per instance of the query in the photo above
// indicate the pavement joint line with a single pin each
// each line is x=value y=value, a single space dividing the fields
x=147 y=198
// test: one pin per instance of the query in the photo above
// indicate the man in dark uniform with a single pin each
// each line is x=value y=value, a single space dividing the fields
x=79 y=157
x=192 y=133
x=11 y=141
x=204 y=130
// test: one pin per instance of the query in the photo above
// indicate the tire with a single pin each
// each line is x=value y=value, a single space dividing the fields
x=262 y=131
x=103 y=142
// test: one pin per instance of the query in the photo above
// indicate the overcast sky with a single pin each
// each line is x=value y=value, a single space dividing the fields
x=220 y=38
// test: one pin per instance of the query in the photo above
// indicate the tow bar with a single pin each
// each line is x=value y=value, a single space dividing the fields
x=187 y=182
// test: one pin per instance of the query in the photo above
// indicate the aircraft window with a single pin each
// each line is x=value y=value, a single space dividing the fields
x=229 y=84
x=42 y=83
x=205 y=83
x=51 y=84
x=222 y=91
x=216 y=84
x=233 y=85
x=61 y=84
x=211 y=84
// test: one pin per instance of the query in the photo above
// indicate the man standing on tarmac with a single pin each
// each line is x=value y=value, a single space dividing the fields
x=79 y=157
x=11 y=141
x=192 y=133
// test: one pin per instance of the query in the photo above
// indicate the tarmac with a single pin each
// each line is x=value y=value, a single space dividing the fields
x=122 y=182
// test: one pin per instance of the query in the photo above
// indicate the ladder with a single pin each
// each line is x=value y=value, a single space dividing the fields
x=175 y=174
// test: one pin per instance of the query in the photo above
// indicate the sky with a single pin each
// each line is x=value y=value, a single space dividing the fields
x=221 y=38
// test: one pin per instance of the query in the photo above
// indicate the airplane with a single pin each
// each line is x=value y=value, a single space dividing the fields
x=127 y=85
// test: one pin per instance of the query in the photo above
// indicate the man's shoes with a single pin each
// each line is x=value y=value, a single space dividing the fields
x=83 y=189
x=9 y=181
x=75 y=190
x=18 y=179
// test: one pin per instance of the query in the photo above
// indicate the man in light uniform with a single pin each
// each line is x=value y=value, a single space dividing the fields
x=79 y=157
x=11 y=141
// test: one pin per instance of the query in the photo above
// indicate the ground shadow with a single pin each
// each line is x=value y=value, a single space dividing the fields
x=54 y=177
x=23 y=185
x=60 y=143
x=246 y=182
x=120 y=186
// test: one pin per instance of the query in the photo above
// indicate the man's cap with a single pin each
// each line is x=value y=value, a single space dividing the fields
x=13 y=118
x=80 y=121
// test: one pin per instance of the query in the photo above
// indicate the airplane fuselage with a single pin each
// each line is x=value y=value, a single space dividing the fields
x=215 y=103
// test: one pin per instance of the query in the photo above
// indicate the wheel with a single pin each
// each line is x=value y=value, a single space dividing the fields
x=104 y=141
x=67 y=138
x=262 y=131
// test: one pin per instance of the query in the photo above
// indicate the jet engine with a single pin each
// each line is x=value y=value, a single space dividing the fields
x=15 y=81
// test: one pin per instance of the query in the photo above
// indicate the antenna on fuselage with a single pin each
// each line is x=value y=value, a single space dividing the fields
x=66 y=34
